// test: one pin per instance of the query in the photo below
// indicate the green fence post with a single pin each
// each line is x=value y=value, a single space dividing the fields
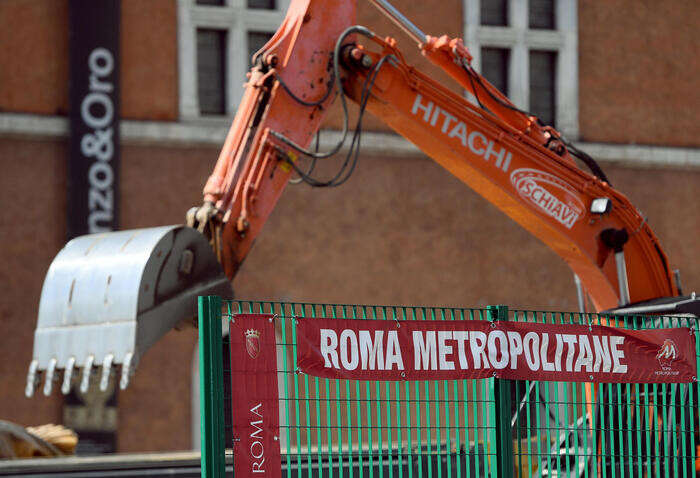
x=501 y=388
x=211 y=390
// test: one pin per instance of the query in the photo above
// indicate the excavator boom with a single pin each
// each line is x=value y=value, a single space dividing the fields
x=543 y=191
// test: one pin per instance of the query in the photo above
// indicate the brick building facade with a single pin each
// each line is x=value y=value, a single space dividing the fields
x=622 y=83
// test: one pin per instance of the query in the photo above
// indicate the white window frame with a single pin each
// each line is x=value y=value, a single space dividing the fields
x=520 y=39
x=237 y=20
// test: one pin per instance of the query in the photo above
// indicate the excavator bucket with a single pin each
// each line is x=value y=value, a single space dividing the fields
x=108 y=297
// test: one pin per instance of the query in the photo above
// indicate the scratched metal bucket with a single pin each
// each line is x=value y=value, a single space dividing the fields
x=108 y=297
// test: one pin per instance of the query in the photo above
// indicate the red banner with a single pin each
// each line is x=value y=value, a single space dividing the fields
x=254 y=397
x=448 y=350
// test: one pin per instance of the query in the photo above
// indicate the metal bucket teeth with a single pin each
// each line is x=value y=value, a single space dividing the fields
x=126 y=371
x=67 y=375
x=106 y=371
x=87 y=371
x=31 y=378
x=48 y=380
x=108 y=297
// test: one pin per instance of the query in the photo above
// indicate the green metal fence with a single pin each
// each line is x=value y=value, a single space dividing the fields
x=456 y=428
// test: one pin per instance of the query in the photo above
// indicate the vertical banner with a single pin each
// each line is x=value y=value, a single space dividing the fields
x=254 y=397
x=93 y=165
x=93 y=169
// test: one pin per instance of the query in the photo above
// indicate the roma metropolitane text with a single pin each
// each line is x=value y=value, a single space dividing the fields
x=381 y=350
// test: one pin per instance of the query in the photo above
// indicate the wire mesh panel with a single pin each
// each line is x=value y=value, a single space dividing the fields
x=471 y=428
x=351 y=428
x=604 y=430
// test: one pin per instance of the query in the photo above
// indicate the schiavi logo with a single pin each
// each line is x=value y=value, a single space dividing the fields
x=548 y=193
x=667 y=354
x=252 y=342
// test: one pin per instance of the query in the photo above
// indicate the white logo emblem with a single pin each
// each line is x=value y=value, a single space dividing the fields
x=549 y=193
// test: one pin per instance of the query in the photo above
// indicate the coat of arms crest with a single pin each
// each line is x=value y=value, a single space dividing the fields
x=252 y=342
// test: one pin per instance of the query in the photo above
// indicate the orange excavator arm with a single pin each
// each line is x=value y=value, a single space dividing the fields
x=504 y=154
x=289 y=89
x=534 y=182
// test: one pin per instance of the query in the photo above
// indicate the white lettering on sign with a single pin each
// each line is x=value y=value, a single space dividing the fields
x=477 y=343
x=474 y=141
x=371 y=351
x=460 y=350
x=444 y=350
x=549 y=194
x=496 y=350
x=515 y=346
x=546 y=366
x=585 y=355
x=361 y=349
x=425 y=350
x=461 y=336
x=348 y=350
x=393 y=352
x=602 y=353
x=257 y=449
x=329 y=344
x=617 y=354
x=97 y=112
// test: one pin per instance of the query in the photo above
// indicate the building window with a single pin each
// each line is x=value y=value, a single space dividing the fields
x=211 y=77
x=494 y=12
x=216 y=39
x=541 y=14
x=494 y=66
x=528 y=49
x=543 y=85
x=262 y=4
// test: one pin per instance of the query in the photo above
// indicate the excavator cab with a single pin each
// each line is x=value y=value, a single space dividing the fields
x=103 y=318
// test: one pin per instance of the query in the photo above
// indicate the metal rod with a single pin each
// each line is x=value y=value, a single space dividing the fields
x=677 y=279
x=397 y=17
x=579 y=294
x=523 y=402
x=654 y=308
x=622 y=278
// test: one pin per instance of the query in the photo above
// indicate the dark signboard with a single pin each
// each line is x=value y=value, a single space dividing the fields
x=93 y=166
x=93 y=176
